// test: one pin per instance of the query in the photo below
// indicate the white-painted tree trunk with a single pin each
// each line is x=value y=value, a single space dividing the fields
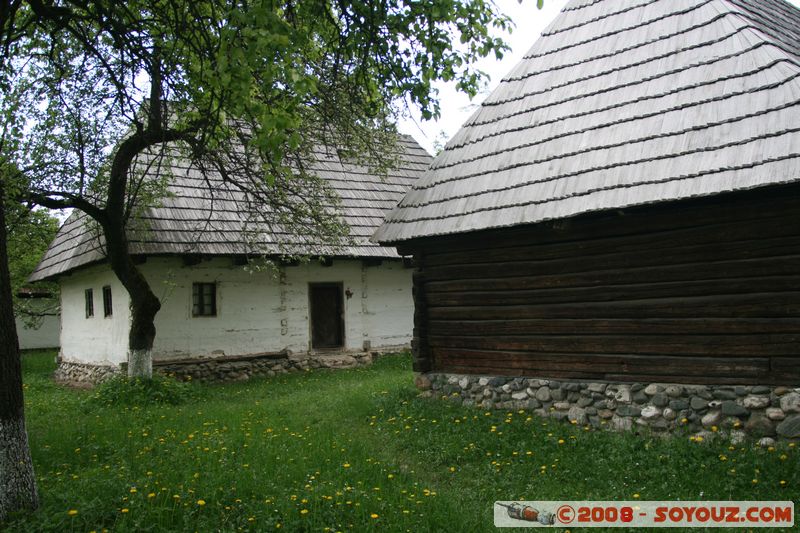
x=140 y=364
x=17 y=483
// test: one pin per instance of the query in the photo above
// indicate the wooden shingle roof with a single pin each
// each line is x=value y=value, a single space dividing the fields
x=617 y=104
x=201 y=215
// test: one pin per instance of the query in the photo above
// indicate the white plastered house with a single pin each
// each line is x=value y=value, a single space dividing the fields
x=215 y=304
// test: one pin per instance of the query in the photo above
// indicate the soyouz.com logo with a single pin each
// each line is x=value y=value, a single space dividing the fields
x=636 y=513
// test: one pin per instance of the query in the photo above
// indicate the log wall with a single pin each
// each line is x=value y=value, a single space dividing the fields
x=705 y=291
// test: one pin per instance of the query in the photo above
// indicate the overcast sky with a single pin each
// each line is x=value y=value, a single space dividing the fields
x=456 y=107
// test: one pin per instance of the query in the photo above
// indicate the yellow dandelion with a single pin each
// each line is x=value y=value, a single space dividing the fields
x=452 y=469
x=755 y=481
x=783 y=484
x=636 y=496
x=303 y=511
x=346 y=465
x=201 y=502
x=73 y=512
x=133 y=490
x=124 y=510
x=373 y=515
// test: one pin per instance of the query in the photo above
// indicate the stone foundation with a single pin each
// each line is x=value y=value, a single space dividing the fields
x=83 y=375
x=242 y=368
x=227 y=368
x=737 y=412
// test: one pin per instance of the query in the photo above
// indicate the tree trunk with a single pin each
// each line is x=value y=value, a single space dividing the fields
x=17 y=481
x=144 y=303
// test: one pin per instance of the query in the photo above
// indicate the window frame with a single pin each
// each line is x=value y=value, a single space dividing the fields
x=88 y=298
x=199 y=295
x=108 y=304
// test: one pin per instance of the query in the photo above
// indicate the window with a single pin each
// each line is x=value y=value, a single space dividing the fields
x=89 y=303
x=204 y=299
x=107 y=308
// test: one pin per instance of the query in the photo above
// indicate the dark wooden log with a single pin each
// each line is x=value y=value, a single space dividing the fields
x=705 y=291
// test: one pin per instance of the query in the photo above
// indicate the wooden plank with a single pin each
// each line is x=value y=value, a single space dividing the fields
x=562 y=273
x=617 y=292
x=766 y=305
x=600 y=366
x=701 y=345
x=748 y=240
x=634 y=326
x=742 y=206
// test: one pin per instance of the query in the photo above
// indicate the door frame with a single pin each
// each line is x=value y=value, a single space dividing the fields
x=340 y=286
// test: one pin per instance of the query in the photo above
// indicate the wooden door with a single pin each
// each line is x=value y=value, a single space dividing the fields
x=326 y=315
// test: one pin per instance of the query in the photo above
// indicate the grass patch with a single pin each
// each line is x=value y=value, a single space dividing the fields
x=125 y=391
x=346 y=450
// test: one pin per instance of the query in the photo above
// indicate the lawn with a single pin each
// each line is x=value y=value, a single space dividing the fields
x=347 y=450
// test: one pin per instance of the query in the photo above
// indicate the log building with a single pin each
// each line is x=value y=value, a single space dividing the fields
x=624 y=207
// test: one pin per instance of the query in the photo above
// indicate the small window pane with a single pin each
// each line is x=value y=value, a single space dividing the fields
x=89 y=303
x=204 y=299
x=107 y=306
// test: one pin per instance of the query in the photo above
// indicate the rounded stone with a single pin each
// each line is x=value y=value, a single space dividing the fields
x=711 y=419
x=557 y=394
x=421 y=381
x=623 y=395
x=577 y=415
x=669 y=414
x=674 y=391
x=756 y=402
x=653 y=389
x=766 y=442
x=660 y=399
x=722 y=394
x=698 y=404
x=640 y=397
x=759 y=426
x=731 y=408
x=584 y=402
x=628 y=411
x=597 y=387
x=679 y=405
x=543 y=394
x=650 y=412
x=790 y=428
x=775 y=413
x=790 y=403
x=621 y=423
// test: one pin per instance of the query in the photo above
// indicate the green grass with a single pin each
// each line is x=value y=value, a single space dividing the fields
x=346 y=450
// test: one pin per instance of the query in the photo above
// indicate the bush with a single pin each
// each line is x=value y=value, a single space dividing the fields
x=126 y=391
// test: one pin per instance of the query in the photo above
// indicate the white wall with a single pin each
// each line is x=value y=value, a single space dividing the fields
x=99 y=339
x=256 y=312
x=46 y=335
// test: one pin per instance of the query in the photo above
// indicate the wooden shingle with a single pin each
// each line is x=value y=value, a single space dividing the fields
x=202 y=215
x=620 y=104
